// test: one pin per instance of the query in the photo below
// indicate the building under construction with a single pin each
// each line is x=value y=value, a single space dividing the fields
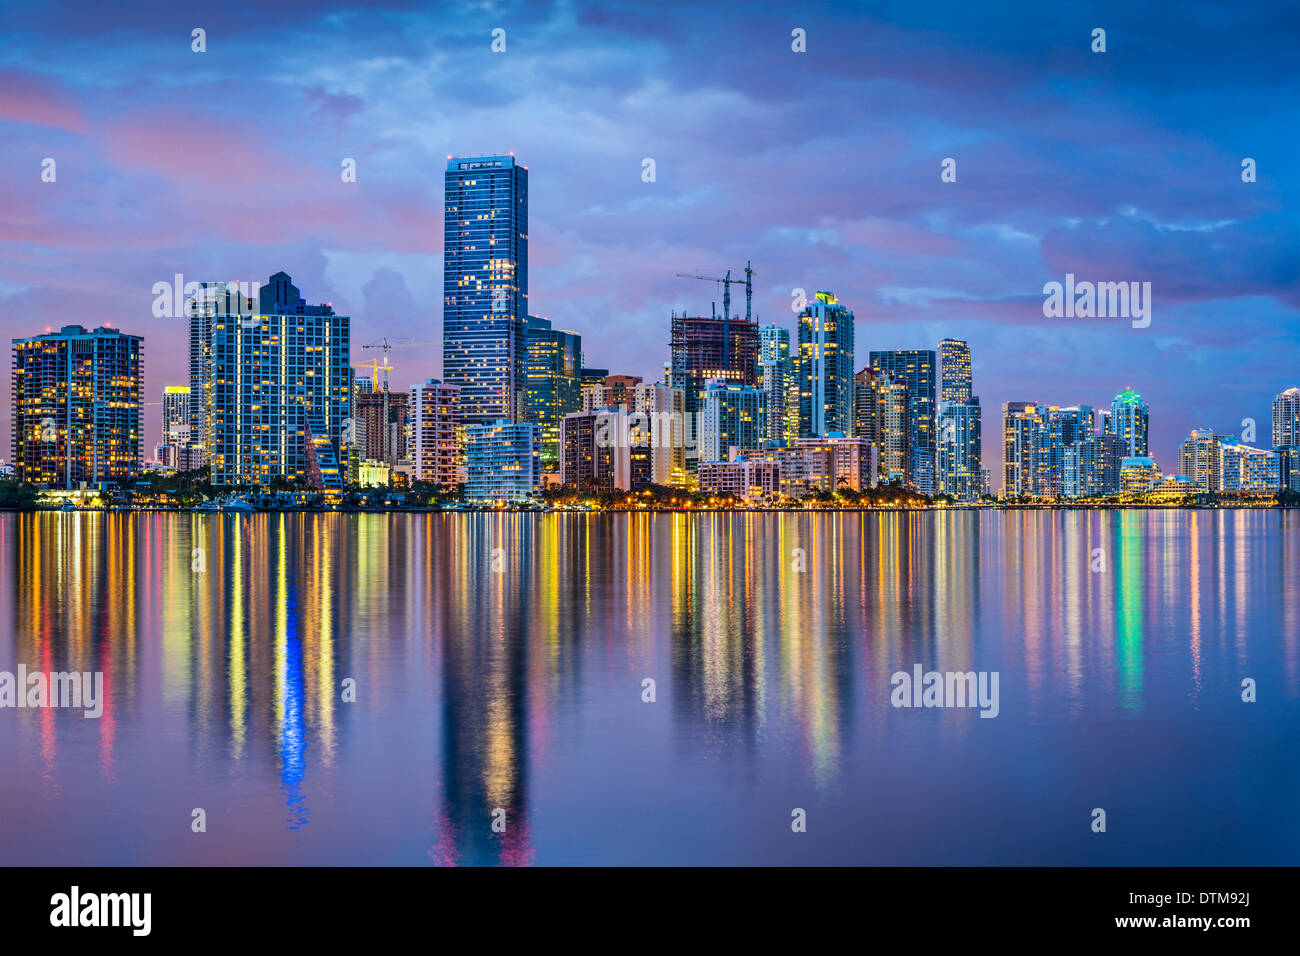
x=714 y=346
x=384 y=414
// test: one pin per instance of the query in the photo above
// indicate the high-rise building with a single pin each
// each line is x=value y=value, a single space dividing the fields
x=595 y=453
x=834 y=463
x=485 y=286
x=959 y=449
x=1138 y=474
x=1128 y=421
x=1036 y=442
x=1198 y=459
x=1243 y=468
x=661 y=431
x=954 y=371
x=503 y=461
x=704 y=348
x=437 y=436
x=733 y=416
x=825 y=368
x=893 y=430
x=1020 y=423
x=385 y=415
x=776 y=378
x=1286 y=419
x=554 y=382
x=76 y=407
x=615 y=391
x=866 y=405
x=177 y=448
x=915 y=370
x=1057 y=429
x=200 y=317
x=176 y=411
x=741 y=478
x=625 y=447
x=211 y=299
x=1288 y=460
x=1092 y=467
x=276 y=386
x=352 y=448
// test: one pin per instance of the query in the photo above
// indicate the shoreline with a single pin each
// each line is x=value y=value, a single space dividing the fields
x=1245 y=506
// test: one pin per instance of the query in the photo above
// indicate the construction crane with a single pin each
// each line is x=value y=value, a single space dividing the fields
x=387 y=345
x=727 y=283
x=374 y=367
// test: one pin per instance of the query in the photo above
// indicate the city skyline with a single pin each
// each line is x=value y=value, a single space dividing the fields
x=1059 y=188
x=1041 y=455
x=591 y=434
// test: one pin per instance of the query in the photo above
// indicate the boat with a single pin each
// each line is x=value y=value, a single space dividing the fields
x=230 y=503
x=68 y=506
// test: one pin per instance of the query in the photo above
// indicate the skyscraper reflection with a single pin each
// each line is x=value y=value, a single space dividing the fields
x=497 y=660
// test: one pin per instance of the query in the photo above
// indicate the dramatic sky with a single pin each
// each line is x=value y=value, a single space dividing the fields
x=822 y=167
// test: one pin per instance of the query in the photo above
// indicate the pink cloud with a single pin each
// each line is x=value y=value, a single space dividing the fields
x=197 y=148
x=26 y=98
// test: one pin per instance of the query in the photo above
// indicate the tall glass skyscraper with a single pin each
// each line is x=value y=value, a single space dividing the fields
x=1286 y=419
x=733 y=415
x=485 y=287
x=1020 y=422
x=1128 y=422
x=960 y=466
x=554 y=381
x=915 y=369
x=1058 y=429
x=954 y=371
x=825 y=367
x=776 y=378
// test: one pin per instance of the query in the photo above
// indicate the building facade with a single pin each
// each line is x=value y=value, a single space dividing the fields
x=437 y=435
x=954 y=372
x=733 y=416
x=554 y=378
x=1138 y=474
x=1128 y=421
x=776 y=377
x=176 y=411
x=824 y=366
x=385 y=416
x=1198 y=459
x=277 y=390
x=1019 y=424
x=704 y=348
x=661 y=430
x=503 y=462
x=741 y=478
x=76 y=397
x=914 y=369
x=1246 y=469
x=485 y=286
x=1286 y=419
x=1092 y=467
x=1057 y=429
x=960 y=452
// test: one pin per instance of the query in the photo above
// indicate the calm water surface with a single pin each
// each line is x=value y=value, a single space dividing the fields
x=498 y=662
